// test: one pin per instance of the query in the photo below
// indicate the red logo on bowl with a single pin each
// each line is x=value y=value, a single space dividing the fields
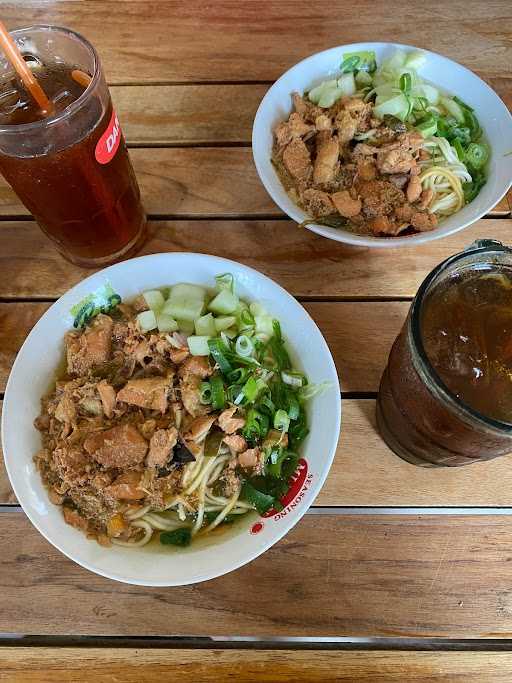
x=298 y=486
x=107 y=145
x=256 y=528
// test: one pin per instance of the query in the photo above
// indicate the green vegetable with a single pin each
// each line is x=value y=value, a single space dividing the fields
x=225 y=281
x=218 y=350
x=217 y=392
x=281 y=463
x=185 y=302
x=205 y=393
x=427 y=126
x=263 y=502
x=363 y=78
x=166 y=323
x=256 y=426
x=212 y=443
x=154 y=299
x=405 y=83
x=181 y=537
x=212 y=516
x=347 y=84
x=198 y=345
x=473 y=188
x=205 y=326
x=147 y=321
x=186 y=326
x=397 y=106
x=294 y=379
x=279 y=352
x=476 y=155
x=250 y=390
x=462 y=104
x=298 y=429
x=281 y=421
x=244 y=346
x=224 y=322
x=457 y=146
x=453 y=108
x=359 y=61
x=224 y=303
x=307 y=392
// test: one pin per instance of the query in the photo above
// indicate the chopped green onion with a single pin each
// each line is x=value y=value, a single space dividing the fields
x=181 y=537
x=244 y=346
x=281 y=421
x=293 y=407
x=246 y=318
x=277 y=458
x=218 y=350
x=350 y=63
x=250 y=390
x=457 y=146
x=238 y=375
x=225 y=281
x=405 y=83
x=218 y=393
x=462 y=104
x=256 y=426
x=205 y=393
x=294 y=379
x=427 y=126
x=476 y=155
x=310 y=390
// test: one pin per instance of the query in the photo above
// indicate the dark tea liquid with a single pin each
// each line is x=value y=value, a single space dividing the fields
x=466 y=328
x=91 y=210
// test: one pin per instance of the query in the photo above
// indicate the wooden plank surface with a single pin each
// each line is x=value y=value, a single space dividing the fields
x=154 y=42
x=191 y=182
x=359 y=335
x=305 y=264
x=105 y=665
x=332 y=575
x=366 y=473
x=187 y=114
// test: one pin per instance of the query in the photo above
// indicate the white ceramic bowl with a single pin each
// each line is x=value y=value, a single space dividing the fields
x=492 y=114
x=34 y=371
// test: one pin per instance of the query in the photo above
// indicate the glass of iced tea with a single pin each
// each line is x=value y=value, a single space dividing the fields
x=445 y=397
x=71 y=168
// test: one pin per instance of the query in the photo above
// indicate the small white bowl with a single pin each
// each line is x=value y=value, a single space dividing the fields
x=33 y=374
x=491 y=112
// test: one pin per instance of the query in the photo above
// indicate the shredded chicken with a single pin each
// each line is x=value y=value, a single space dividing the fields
x=123 y=421
x=344 y=166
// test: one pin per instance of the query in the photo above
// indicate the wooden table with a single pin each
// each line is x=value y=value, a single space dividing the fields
x=400 y=562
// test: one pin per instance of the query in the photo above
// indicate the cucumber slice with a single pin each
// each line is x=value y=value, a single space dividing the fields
x=166 y=323
x=224 y=303
x=264 y=325
x=154 y=299
x=198 y=345
x=453 y=108
x=186 y=302
x=186 y=326
x=205 y=326
x=147 y=321
x=231 y=332
x=224 y=322
x=257 y=309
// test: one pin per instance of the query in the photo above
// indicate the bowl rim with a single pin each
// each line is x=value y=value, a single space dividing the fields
x=280 y=531
x=343 y=236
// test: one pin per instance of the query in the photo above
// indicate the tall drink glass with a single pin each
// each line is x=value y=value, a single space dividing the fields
x=421 y=418
x=70 y=169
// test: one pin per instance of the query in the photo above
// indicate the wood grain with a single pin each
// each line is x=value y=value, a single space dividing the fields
x=187 y=114
x=305 y=264
x=359 y=335
x=332 y=575
x=191 y=182
x=366 y=473
x=106 y=665
x=154 y=42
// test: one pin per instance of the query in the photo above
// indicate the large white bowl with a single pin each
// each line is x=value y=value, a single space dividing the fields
x=34 y=371
x=492 y=114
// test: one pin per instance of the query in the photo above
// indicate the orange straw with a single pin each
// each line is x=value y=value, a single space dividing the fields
x=24 y=72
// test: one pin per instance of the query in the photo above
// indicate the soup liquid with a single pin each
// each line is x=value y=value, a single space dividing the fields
x=466 y=329
x=91 y=210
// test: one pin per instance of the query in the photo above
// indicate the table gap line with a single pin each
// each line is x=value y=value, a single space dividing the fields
x=212 y=144
x=302 y=298
x=233 y=642
x=140 y=84
x=375 y=511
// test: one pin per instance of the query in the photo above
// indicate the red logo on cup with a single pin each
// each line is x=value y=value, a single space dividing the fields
x=107 y=145
x=296 y=484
